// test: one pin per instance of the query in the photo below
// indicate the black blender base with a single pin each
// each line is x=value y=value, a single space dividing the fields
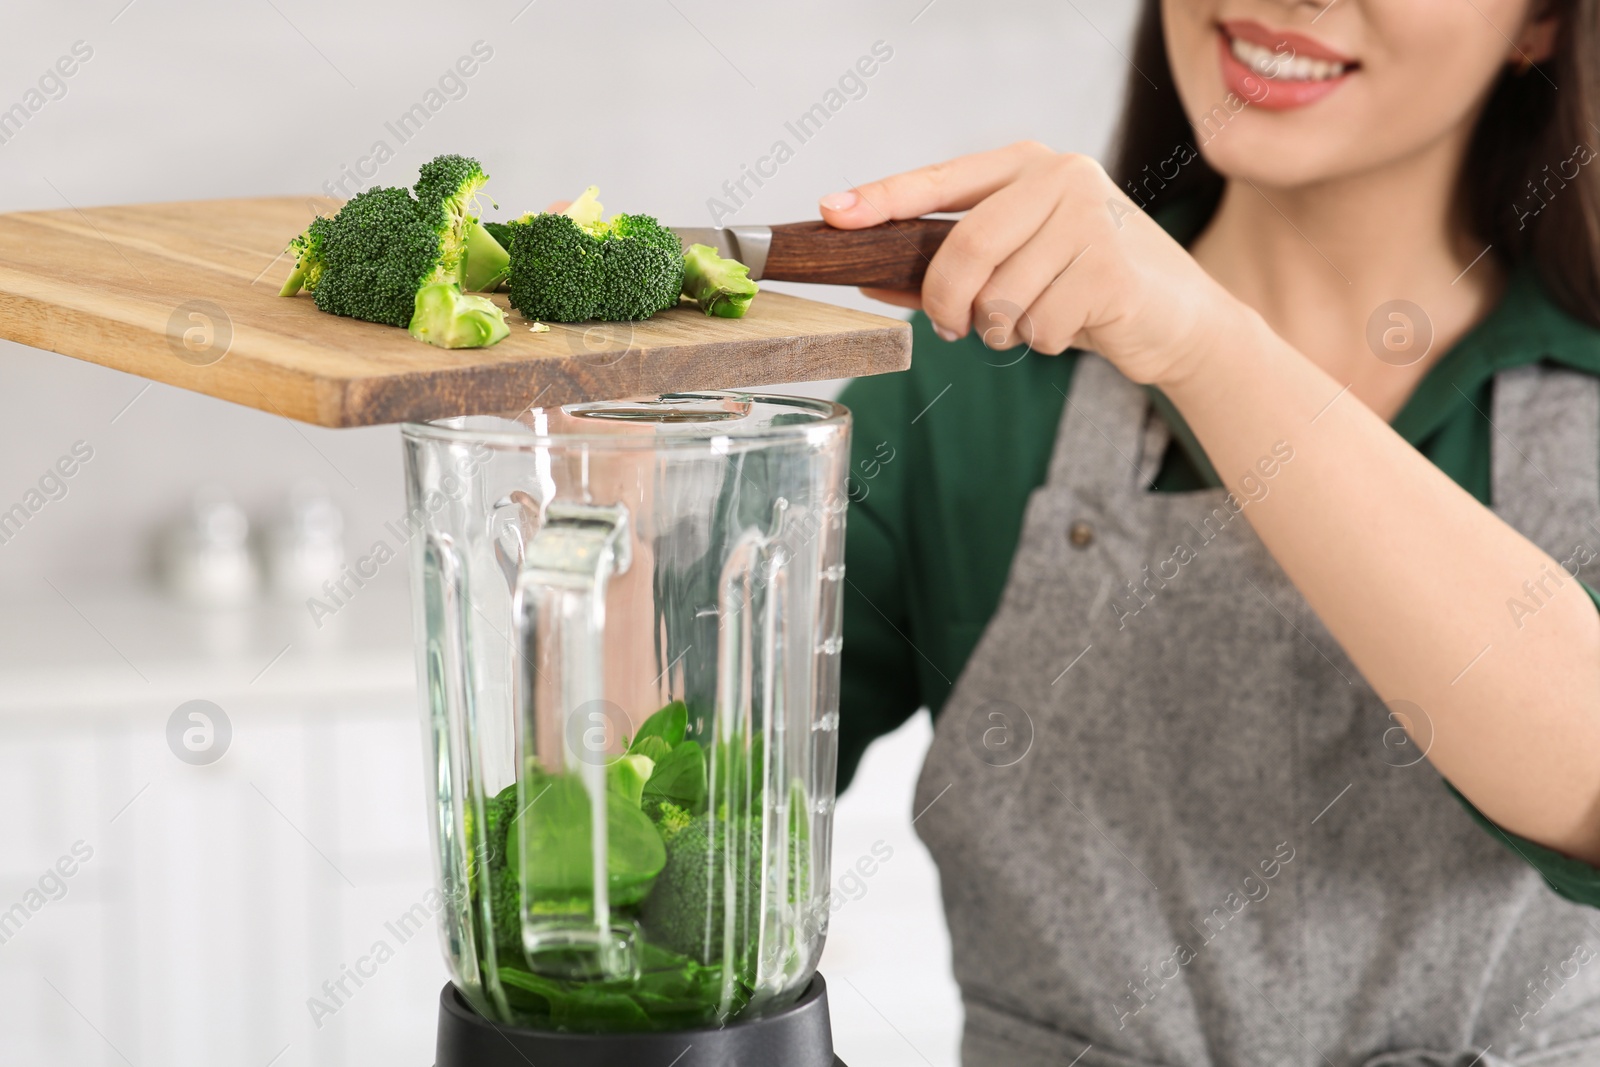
x=798 y=1036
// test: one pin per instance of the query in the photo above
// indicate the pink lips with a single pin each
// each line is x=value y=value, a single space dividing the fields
x=1277 y=94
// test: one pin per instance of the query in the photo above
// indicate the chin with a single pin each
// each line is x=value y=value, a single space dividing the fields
x=1274 y=158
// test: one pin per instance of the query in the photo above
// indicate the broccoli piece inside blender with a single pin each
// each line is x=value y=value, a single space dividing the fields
x=669 y=869
x=687 y=910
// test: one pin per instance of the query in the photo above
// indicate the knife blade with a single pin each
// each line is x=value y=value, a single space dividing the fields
x=894 y=255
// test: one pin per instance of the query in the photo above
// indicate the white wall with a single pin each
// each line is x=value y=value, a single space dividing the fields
x=657 y=101
x=189 y=100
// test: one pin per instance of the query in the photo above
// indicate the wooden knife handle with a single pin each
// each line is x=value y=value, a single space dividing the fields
x=893 y=255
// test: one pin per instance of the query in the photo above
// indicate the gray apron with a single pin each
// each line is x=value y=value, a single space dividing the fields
x=1178 y=829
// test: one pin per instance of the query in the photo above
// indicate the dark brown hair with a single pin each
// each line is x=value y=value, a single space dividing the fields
x=1517 y=191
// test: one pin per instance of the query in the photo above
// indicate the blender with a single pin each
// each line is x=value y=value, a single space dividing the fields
x=628 y=624
x=627 y=612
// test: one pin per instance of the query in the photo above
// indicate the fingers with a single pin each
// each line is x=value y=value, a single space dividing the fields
x=906 y=298
x=558 y=206
x=1035 y=277
x=954 y=185
x=990 y=234
x=1057 y=320
x=1053 y=322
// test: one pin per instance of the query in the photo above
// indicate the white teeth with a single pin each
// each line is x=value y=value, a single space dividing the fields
x=1282 y=66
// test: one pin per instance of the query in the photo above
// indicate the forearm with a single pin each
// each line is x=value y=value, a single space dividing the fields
x=1412 y=576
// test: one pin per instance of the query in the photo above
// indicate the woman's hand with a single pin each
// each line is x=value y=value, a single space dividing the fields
x=1053 y=255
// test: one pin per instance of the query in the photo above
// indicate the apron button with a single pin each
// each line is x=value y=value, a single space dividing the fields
x=1080 y=534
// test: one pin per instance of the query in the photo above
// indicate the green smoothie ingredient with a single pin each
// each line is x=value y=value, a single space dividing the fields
x=404 y=258
x=721 y=287
x=683 y=884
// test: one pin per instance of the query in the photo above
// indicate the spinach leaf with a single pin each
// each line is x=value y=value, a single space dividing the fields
x=587 y=1006
x=680 y=777
x=656 y=748
x=669 y=724
x=555 y=829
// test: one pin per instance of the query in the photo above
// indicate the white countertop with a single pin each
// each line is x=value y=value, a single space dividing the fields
x=105 y=648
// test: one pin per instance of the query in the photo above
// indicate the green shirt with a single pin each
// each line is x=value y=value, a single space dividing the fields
x=946 y=454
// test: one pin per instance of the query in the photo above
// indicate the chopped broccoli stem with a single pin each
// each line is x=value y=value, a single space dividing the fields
x=626 y=775
x=722 y=287
x=308 y=261
x=586 y=210
x=449 y=318
x=502 y=232
x=487 y=262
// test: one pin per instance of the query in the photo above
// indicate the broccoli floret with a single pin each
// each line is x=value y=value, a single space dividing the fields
x=492 y=876
x=308 y=262
x=686 y=910
x=642 y=262
x=670 y=819
x=377 y=252
x=555 y=270
x=573 y=266
x=398 y=259
x=452 y=184
x=646 y=229
x=721 y=287
x=505 y=903
x=454 y=180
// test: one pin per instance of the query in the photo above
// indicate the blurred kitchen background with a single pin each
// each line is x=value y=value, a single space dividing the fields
x=208 y=902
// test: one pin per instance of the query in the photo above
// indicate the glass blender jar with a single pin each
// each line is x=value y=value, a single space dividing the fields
x=629 y=621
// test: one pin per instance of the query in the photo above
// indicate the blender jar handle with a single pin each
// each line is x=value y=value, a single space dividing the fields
x=560 y=602
x=749 y=757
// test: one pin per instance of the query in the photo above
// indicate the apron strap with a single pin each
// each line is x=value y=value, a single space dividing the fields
x=1545 y=455
x=1103 y=435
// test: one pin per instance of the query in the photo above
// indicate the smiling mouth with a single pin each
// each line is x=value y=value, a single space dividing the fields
x=1284 y=66
x=1279 y=70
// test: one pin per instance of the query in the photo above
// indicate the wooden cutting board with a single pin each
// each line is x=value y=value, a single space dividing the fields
x=187 y=294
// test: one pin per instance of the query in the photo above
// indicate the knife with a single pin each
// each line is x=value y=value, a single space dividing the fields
x=893 y=255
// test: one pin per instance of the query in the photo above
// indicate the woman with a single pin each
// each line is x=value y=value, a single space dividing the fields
x=1267 y=682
